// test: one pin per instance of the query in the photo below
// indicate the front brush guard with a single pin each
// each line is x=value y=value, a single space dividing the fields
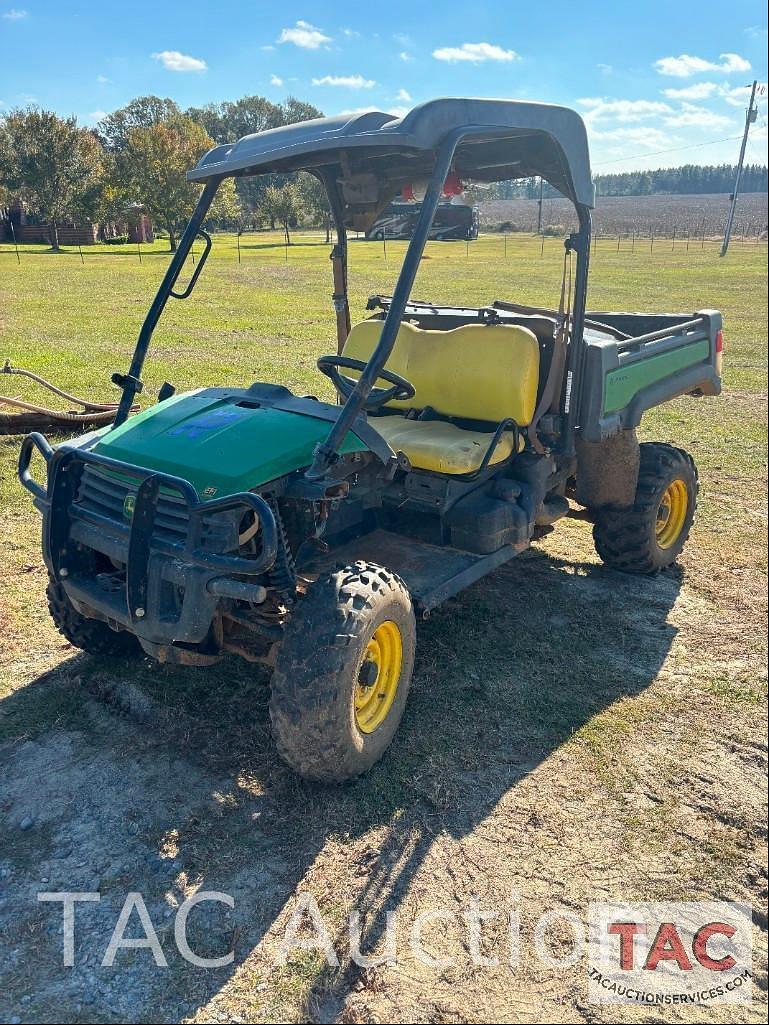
x=58 y=503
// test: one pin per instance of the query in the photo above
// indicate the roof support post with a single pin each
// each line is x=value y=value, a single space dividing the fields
x=326 y=452
x=572 y=395
x=338 y=259
x=131 y=382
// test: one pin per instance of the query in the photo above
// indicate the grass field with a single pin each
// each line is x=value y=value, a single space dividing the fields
x=573 y=734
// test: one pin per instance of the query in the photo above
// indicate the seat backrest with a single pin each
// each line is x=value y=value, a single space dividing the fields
x=477 y=371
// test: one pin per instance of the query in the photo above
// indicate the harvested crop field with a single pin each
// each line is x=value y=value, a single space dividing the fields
x=642 y=214
x=573 y=735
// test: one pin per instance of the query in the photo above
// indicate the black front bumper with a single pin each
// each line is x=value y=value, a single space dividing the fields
x=155 y=559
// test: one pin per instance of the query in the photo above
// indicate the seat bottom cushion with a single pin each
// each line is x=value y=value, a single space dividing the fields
x=439 y=446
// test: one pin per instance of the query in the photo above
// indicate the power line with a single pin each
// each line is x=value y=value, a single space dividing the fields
x=674 y=149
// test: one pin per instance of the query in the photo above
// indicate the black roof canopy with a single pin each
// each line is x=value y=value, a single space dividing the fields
x=506 y=139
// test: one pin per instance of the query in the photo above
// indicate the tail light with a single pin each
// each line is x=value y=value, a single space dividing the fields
x=719 y=351
x=414 y=192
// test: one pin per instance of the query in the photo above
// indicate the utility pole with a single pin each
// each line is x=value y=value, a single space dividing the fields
x=539 y=208
x=750 y=117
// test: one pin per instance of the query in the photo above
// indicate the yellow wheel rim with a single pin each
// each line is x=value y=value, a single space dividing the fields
x=378 y=677
x=671 y=514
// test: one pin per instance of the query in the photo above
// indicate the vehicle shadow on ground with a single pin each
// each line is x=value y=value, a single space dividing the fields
x=506 y=674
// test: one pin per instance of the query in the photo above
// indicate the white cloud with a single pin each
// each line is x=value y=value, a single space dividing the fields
x=305 y=36
x=97 y=115
x=700 y=91
x=737 y=97
x=403 y=95
x=345 y=81
x=601 y=108
x=14 y=14
x=692 y=116
x=646 y=136
x=350 y=33
x=276 y=80
x=605 y=69
x=684 y=66
x=405 y=56
x=172 y=60
x=475 y=53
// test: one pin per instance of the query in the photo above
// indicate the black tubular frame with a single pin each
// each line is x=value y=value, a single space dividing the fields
x=131 y=382
x=571 y=397
x=326 y=453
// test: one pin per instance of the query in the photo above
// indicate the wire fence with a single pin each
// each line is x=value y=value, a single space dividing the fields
x=246 y=248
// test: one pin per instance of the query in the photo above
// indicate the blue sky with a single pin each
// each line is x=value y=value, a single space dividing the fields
x=658 y=83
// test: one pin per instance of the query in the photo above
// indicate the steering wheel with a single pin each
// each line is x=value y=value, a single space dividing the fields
x=400 y=391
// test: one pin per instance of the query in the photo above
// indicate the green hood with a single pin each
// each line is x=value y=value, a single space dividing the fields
x=218 y=441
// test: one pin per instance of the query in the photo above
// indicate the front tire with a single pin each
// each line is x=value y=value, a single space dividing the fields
x=89 y=635
x=650 y=535
x=343 y=673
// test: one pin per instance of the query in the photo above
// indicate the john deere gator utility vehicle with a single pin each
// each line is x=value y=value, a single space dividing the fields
x=252 y=521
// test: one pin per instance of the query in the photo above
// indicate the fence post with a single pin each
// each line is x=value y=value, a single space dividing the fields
x=619 y=236
x=237 y=237
x=80 y=250
x=673 y=247
x=632 y=244
x=542 y=247
x=651 y=242
x=15 y=242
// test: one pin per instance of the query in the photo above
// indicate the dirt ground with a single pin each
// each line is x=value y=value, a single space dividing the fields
x=547 y=776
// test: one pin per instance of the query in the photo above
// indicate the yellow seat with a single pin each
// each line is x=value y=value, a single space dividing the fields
x=478 y=371
x=486 y=372
x=440 y=446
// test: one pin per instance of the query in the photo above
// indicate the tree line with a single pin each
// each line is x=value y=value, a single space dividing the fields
x=688 y=180
x=136 y=159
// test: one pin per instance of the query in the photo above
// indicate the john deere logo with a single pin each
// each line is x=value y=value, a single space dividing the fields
x=129 y=504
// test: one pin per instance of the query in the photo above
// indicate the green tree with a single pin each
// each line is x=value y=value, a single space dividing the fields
x=314 y=201
x=51 y=164
x=143 y=112
x=231 y=120
x=151 y=168
x=283 y=203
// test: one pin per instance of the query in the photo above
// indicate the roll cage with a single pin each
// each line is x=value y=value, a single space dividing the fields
x=512 y=140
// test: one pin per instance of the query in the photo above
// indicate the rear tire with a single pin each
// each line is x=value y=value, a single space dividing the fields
x=650 y=535
x=90 y=635
x=343 y=672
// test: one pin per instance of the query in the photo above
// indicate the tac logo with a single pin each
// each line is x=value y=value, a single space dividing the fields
x=129 y=504
x=670 y=953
